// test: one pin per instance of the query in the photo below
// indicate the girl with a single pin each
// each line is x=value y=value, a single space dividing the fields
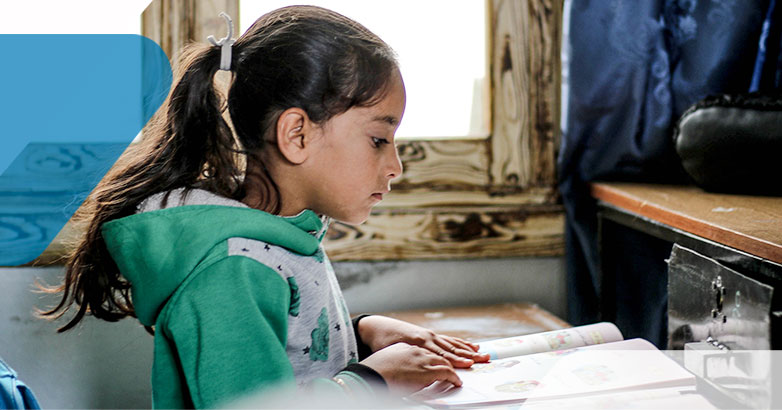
x=214 y=239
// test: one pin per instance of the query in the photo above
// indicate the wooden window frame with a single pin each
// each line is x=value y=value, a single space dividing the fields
x=459 y=197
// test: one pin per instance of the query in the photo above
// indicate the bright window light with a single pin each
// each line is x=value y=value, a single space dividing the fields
x=441 y=45
x=71 y=17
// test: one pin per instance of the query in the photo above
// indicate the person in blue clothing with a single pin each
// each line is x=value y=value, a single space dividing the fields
x=14 y=394
x=212 y=235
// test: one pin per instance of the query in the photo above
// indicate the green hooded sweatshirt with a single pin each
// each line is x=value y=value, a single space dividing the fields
x=241 y=300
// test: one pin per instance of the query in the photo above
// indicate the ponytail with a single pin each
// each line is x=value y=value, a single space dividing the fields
x=201 y=143
x=187 y=144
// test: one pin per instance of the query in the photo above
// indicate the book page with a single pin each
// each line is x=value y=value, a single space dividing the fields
x=554 y=340
x=666 y=398
x=617 y=366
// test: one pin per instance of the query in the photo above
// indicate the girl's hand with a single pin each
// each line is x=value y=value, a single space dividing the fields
x=378 y=332
x=407 y=369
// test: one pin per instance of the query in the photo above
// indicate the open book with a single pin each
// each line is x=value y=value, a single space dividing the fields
x=561 y=339
x=565 y=363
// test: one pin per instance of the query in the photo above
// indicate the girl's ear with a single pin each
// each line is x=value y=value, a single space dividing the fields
x=293 y=128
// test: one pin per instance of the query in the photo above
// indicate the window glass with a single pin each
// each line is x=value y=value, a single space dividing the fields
x=441 y=45
x=71 y=17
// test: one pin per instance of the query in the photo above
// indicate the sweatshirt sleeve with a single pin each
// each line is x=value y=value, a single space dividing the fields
x=355 y=382
x=228 y=324
x=363 y=349
x=229 y=328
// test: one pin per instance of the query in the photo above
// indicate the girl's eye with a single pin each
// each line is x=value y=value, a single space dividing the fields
x=379 y=141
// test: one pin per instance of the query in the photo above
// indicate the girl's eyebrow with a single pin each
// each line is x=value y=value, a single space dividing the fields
x=390 y=120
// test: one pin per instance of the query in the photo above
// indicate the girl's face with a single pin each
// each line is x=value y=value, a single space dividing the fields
x=355 y=158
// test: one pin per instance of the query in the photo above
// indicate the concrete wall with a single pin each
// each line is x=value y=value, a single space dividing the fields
x=380 y=286
x=98 y=365
x=107 y=365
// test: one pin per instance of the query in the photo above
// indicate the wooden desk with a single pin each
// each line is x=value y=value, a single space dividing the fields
x=747 y=223
x=724 y=236
x=477 y=323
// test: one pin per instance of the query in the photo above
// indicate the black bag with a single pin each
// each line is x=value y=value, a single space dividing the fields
x=733 y=143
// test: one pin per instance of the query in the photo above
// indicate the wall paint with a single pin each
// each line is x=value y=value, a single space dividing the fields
x=107 y=365
x=97 y=365
x=384 y=286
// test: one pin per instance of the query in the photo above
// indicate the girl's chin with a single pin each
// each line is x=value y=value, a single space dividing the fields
x=355 y=219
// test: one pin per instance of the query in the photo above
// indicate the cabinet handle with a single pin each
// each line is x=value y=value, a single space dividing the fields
x=719 y=297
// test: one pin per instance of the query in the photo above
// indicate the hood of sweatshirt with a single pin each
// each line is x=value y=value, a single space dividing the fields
x=157 y=248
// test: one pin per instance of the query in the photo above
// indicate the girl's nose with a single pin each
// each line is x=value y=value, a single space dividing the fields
x=395 y=165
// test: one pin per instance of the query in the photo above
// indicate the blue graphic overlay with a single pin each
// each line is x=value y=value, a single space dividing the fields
x=69 y=106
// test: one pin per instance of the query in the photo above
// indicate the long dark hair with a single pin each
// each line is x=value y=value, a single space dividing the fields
x=301 y=56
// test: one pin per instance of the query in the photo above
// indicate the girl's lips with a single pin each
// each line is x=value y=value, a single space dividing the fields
x=378 y=196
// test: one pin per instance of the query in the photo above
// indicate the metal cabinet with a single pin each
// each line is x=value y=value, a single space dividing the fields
x=718 y=259
x=724 y=256
x=709 y=301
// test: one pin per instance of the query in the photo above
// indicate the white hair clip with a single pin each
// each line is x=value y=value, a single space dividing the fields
x=225 y=44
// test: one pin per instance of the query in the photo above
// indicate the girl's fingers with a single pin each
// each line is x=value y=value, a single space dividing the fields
x=447 y=345
x=455 y=357
x=463 y=343
x=439 y=358
x=459 y=353
x=445 y=373
x=459 y=361
x=460 y=344
x=478 y=357
x=474 y=356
